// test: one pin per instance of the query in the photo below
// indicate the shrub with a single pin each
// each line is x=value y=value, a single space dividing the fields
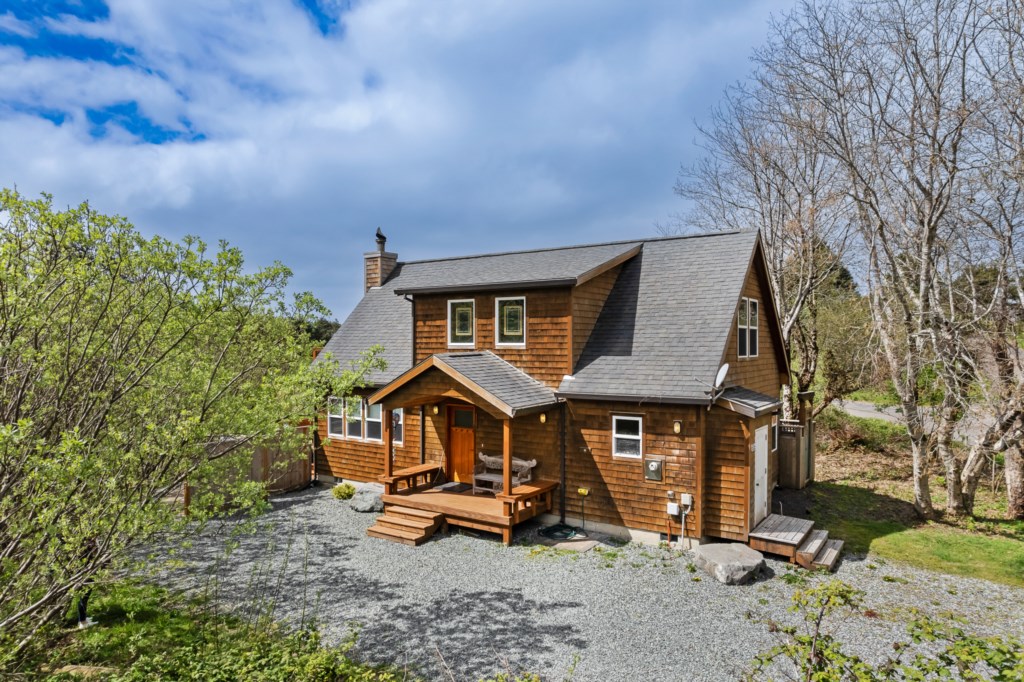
x=343 y=491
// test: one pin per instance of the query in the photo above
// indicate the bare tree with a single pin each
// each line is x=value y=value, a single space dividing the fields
x=764 y=170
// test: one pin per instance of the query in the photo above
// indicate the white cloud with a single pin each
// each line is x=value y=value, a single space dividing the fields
x=484 y=125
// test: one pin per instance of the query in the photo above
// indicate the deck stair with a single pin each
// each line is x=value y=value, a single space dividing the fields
x=406 y=526
x=797 y=540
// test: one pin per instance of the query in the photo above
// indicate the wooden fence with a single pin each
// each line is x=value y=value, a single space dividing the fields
x=283 y=470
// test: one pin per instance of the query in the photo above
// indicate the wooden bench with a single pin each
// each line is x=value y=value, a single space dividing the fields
x=488 y=475
x=412 y=479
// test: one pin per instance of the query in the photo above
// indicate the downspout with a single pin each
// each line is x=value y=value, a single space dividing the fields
x=561 y=505
x=423 y=434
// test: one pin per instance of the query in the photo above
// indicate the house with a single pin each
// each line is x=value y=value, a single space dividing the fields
x=596 y=362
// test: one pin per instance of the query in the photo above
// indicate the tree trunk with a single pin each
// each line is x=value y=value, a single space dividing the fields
x=943 y=446
x=921 y=460
x=1015 y=483
x=787 y=401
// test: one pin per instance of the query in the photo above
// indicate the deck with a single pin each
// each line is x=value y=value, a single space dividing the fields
x=493 y=514
x=797 y=540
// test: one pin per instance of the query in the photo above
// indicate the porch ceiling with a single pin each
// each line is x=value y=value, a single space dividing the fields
x=481 y=378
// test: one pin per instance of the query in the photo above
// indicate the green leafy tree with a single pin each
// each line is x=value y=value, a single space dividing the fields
x=128 y=366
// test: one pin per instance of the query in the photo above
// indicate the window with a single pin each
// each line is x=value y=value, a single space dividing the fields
x=461 y=323
x=746 y=321
x=627 y=436
x=398 y=426
x=354 y=418
x=775 y=432
x=335 y=418
x=510 y=321
x=374 y=427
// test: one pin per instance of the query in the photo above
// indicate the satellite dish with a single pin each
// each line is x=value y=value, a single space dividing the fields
x=720 y=377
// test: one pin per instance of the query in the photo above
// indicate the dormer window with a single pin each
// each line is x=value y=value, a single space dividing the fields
x=747 y=320
x=510 y=322
x=461 y=324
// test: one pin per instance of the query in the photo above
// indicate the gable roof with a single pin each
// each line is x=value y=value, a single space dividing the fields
x=663 y=329
x=503 y=386
x=665 y=324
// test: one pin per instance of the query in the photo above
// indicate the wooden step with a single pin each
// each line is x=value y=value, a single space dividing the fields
x=829 y=554
x=409 y=513
x=812 y=545
x=411 y=538
x=407 y=524
x=778 y=534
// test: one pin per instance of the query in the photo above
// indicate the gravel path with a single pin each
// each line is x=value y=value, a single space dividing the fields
x=633 y=612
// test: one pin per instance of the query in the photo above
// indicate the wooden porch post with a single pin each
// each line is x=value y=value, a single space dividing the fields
x=389 y=446
x=506 y=468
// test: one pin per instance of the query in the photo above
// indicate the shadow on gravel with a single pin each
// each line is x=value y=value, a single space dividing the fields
x=473 y=631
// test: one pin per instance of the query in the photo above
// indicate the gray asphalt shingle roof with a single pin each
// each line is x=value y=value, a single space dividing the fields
x=664 y=326
x=554 y=267
x=504 y=381
x=381 y=317
x=662 y=331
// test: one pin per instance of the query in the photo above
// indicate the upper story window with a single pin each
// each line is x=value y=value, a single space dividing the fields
x=627 y=436
x=462 y=323
x=747 y=328
x=510 y=321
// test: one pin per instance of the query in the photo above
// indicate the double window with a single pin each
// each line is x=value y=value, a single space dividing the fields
x=627 y=436
x=352 y=418
x=510 y=322
x=747 y=320
x=461 y=324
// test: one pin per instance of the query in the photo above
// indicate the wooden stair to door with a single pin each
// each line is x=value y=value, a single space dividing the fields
x=797 y=540
x=406 y=526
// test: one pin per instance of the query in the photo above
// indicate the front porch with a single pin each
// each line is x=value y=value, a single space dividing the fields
x=474 y=476
x=415 y=488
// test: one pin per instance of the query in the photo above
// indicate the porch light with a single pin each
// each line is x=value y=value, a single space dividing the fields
x=677 y=426
x=543 y=417
x=434 y=409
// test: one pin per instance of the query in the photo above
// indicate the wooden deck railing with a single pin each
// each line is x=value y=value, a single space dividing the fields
x=411 y=480
x=528 y=500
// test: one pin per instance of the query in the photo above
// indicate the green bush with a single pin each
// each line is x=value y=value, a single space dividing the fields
x=343 y=491
x=874 y=434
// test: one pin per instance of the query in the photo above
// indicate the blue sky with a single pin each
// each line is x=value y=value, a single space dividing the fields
x=294 y=128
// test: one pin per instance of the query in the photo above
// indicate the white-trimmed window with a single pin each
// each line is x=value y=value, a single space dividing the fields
x=373 y=427
x=398 y=426
x=510 y=322
x=335 y=418
x=746 y=322
x=627 y=436
x=354 y=418
x=462 y=323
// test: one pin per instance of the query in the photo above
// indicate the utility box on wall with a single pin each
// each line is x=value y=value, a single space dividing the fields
x=654 y=468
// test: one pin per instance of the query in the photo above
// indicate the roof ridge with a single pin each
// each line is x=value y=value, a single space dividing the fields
x=641 y=240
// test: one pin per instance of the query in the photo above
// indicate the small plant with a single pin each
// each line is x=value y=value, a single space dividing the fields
x=895 y=579
x=691 y=567
x=343 y=491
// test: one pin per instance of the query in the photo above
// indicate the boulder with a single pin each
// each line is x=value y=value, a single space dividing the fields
x=731 y=563
x=366 y=500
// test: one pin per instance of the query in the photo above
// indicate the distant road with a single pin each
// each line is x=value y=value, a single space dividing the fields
x=969 y=434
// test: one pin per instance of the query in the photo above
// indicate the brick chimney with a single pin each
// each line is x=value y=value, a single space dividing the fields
x=378 y=264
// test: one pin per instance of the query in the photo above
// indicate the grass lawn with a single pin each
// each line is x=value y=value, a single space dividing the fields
x=863 y=495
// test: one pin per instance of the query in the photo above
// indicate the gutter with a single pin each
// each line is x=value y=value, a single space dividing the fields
x=490 y=286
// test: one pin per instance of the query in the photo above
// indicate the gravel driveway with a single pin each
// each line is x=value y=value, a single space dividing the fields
x=634 y=612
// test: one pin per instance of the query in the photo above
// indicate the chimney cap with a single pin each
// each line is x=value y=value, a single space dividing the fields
x=381 y=239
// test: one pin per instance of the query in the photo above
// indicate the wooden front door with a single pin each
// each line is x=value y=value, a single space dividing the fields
x=461 y=442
